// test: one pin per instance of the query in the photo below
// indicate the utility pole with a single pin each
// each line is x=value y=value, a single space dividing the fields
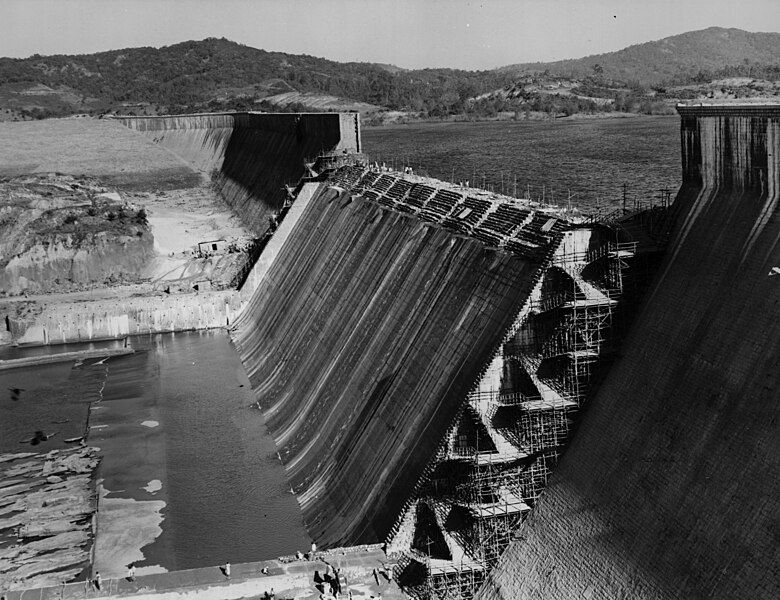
x=625 y=196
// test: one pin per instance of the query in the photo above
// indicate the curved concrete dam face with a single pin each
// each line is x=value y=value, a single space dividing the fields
x=252 y=156
x=363 y=339
x=670 y=488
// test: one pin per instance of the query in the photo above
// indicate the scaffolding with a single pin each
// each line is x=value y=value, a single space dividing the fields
x=454 y=582
x=502 y=452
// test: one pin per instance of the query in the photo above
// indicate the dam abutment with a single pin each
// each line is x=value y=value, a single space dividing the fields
x=252 y=157
x=669 y=489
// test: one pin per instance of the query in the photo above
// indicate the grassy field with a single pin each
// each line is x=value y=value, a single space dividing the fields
x=99 y=148
x=589 y=158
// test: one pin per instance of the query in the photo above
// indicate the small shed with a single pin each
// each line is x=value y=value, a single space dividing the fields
x=212 y=247
x=202 y=285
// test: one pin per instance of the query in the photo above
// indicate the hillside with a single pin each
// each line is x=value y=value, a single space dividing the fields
x=217 y=74
x=650 y=78
x=675 y=59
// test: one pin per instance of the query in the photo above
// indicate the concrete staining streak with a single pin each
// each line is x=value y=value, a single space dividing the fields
x=671 y=488
x=361 y=343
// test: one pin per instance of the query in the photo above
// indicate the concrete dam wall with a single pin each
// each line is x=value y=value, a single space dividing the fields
x=252 y=156
x=369 y=329
x=60 y=323
x=670 y=487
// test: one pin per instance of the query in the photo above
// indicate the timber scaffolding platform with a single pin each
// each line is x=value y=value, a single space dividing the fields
x=520 y=417
x=516 y=225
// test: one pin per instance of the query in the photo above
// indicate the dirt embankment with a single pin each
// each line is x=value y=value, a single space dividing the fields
x=119 y=173
x=63 y=233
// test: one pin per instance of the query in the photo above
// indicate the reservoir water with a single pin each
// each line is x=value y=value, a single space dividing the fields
x=178 y=432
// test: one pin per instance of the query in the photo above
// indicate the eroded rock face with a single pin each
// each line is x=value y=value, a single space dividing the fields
x=47 y=505
x=60 y=233
x=66 y=263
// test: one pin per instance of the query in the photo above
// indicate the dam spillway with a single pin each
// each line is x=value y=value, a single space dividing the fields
x=383 y=298
x=670 y=488
x=370 y=328
x=382 y=301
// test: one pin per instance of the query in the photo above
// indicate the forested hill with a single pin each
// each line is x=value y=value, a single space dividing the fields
x=217 y=74
x=674 y=60
x=192 y=74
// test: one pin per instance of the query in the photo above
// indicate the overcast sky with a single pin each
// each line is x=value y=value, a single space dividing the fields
x=407 y=33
